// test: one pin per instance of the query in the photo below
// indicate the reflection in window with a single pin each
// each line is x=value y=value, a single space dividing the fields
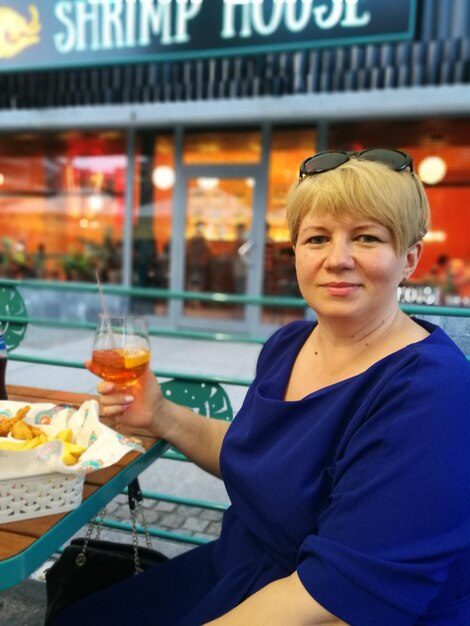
x=441 y=155
x=289 y=147
x=218 y=224
x=222 y=147
x=62 y=205
x=155 y=180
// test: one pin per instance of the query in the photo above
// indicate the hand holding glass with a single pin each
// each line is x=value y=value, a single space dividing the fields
x=121 y=349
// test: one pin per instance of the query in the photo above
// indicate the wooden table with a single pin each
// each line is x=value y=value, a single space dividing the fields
x=25 y=545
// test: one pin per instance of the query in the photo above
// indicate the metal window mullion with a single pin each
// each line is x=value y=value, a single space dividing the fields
x=128 y=209
x=323 y=138
x=175 y=308
x=260 y=203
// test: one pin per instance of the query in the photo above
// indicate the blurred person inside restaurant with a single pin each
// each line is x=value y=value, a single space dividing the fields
x=39 y=261
x=347 y=466
x=451 y=275
x=241 y=247
x=198 y=260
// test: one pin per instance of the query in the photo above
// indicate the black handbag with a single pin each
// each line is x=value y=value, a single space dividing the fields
x=88 y=565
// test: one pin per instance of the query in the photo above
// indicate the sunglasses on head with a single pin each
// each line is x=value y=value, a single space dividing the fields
x=331 y=159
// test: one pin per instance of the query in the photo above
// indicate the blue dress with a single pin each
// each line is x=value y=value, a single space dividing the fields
x=363 y=487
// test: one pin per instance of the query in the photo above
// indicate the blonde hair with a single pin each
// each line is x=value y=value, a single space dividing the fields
x=368 y=190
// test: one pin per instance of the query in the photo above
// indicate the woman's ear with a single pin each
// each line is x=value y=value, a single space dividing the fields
x=412 y=257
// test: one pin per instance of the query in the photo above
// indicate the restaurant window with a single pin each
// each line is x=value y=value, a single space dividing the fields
x=219 y=217
x=222 y=147
x=62 y=205
x=288 y=148
x=440 y=149
x=154 y=186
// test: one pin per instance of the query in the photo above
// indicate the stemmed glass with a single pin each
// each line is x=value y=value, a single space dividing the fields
x=121 y=349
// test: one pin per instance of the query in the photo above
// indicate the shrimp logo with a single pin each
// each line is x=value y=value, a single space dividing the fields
x=16 y=32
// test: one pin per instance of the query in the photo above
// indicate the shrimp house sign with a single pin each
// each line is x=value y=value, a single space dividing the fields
x=40 y=34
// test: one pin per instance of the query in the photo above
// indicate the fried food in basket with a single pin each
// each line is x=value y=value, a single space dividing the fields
x=26 y=445
x=20 y=430
x=7 y=424
x=33 y=437
x=72 y=453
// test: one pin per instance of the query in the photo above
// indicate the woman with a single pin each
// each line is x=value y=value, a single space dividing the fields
x=348 y=465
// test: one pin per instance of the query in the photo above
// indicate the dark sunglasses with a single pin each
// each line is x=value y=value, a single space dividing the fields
x=331 y=159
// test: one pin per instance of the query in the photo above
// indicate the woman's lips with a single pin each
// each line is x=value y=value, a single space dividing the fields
x=341 y=289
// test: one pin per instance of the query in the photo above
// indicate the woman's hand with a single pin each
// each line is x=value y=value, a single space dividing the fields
x=143 y=406
x=137 y=406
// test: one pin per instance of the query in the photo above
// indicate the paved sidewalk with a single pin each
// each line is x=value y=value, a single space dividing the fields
x=24 y=605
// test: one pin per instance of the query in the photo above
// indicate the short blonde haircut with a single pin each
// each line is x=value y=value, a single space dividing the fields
x=367 y=190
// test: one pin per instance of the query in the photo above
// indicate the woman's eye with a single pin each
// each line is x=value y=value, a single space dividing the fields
x=368 y=238
x=317 y=239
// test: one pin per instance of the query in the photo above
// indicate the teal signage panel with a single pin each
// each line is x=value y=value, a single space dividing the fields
x=44 y=34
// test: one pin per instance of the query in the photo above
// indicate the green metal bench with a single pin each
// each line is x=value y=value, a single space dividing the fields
x=206 y=398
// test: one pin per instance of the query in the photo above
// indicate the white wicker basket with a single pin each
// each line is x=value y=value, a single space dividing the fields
x=24 y=498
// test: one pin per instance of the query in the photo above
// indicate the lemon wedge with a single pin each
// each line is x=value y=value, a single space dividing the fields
x=134 y=359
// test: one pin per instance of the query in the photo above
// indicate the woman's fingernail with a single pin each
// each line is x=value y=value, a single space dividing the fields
x=129 y=398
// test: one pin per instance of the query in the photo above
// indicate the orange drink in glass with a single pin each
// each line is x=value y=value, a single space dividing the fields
x=121 y=349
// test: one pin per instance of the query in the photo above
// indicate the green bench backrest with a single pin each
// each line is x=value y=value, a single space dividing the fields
x=12 y=305
x=209 y=399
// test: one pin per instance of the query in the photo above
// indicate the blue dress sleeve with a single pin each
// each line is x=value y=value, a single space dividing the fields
x=398 y=512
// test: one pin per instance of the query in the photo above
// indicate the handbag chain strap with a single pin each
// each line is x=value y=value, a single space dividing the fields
x=136 y=508
x=92 y=525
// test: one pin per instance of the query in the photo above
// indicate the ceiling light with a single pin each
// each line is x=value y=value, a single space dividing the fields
x=163 y=177
x=432 y=170
x=95 y=202
x=207 y=183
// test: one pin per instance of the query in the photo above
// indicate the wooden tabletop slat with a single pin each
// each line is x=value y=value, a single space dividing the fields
x=102 y=476
x=22 y=393
x=11 y=544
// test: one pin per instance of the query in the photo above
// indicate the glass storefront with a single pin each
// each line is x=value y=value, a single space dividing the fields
x=219 y=217
x=206 y=211
x=62 y=202
x=218 y=226
x=222 y=147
